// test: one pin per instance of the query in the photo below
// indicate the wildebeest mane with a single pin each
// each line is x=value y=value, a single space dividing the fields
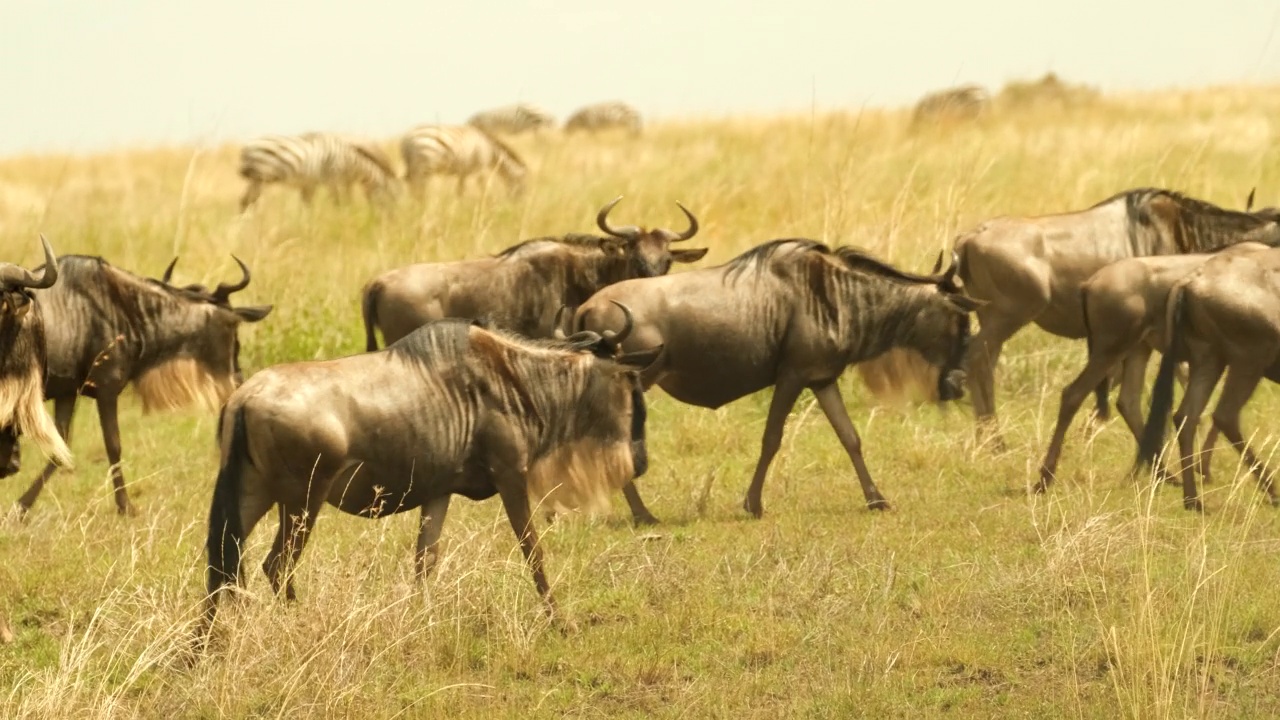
x=1201 y=225
x=851 y=257
x=572 y=240
x=764 y=252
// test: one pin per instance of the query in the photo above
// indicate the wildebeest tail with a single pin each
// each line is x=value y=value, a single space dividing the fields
x=1104 y=387
x=1162 y=392
x=369 y=311
x=225 y=531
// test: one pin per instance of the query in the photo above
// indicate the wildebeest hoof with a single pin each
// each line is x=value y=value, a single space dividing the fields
x=127 y=510
x=645 y=519
x=18 y=513
x=756 y=510
x=878 y=504
x=1193 y=504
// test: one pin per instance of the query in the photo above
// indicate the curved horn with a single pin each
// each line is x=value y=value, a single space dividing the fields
x=21 y=277
x=168 y=272
x=602 y=221
x=557 y=330
x=224 y=290
x=693 y=225
x=1248 y=204
x=949 y=277
x=615 y=339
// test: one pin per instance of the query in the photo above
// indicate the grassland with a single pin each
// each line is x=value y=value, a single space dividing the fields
x=970 y=599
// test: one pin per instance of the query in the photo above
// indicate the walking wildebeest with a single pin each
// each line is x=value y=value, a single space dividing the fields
x=1125 y=319
x=22 y=365
x=108 y=328
x=451 y=408
x=1225 y=316
x=791 y=314
x=1029 y=269
x=521 y=288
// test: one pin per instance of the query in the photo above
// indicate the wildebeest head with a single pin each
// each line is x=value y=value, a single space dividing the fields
x=620 y=375
x=217 y=352
x=16 y=284
x=650 y=251
x=944 y=326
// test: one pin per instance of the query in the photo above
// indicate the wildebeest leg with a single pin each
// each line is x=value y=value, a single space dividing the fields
x=1204 y=376
x=1132 y=377
x=429 y=528
x=64 y=409
x=295 y=526
x=981 y=358
x=1206 y=453
x=785 y=394
x=10 y=454
x=251 y=194
x=1073 y=396
x=1236 y=391
x=833 y=406
x=516 y=501
x=640 y=514
x=107 y=417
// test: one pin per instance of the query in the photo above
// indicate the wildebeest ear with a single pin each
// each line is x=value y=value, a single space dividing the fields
x=964 y=302
x=252 y=313
x=640 y=358
x=688 y=256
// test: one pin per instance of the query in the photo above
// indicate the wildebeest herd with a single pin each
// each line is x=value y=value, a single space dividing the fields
x=523 y=375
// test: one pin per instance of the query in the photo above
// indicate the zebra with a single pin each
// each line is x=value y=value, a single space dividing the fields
x=964 y=102
x=459 y=150
x=512 y=119
x=312 y=159
x=605 y=115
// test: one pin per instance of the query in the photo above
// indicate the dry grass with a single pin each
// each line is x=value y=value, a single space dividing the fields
x=1101 y=599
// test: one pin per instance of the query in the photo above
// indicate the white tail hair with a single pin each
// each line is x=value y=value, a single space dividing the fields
x=182 y=382
x=22 y=405
x=580 y=476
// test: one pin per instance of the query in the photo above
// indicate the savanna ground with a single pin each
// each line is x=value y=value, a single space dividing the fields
x=969 y=598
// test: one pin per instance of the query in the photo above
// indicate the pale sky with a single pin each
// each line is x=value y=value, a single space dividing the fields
x=80 y=75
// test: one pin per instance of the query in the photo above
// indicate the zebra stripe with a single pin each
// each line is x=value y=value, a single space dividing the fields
x=605 y=115
x=312 y=159
x=460 y=150
x=512 y=119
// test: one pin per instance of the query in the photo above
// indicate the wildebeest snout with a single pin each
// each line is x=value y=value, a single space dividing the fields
x=951 y=385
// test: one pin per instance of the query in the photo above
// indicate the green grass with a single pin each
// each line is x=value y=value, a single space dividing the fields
x=971 y=598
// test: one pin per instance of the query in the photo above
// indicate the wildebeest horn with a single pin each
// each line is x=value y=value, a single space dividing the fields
x=1248 y=204
x=21 y=277
x=168 y=272
x=629 y=322
x=948 y=277
x=693 y=224
x=602 y=220
x=557 y=330
x=224 y=290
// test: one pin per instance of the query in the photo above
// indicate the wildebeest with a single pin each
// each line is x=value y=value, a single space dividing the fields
x=965 y=102
x=604 y=116
x=108 y=328
x=22 y=365
x=513 y=119
x=312 y=159
x=1125 y=319
x=1225 y=316
x=1029 y=269
x=460 y=150
x=522 y=287
x=791 y=314
x=452 y=408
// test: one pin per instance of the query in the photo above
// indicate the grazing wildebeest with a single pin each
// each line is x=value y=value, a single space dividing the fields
x=791 y=314
x=1225 y=316
x=522 y=287
x=513 y=119
x=108 y=328
x=1029 y=269
x=22 y=365
x=312 y=159
x=453 y=408
x=604 y=116
x=1125 y=320
x=460 y=150
x=965 y=102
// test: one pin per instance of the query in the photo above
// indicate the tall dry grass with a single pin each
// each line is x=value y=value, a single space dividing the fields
x=1100 y=599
